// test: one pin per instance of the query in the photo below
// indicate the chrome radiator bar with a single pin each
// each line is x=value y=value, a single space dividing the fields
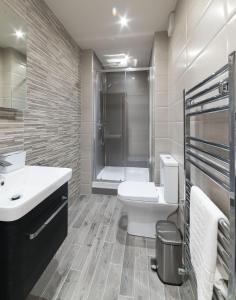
x=213 y=95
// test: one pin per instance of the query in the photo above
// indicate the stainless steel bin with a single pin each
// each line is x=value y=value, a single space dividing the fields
x=168 y=252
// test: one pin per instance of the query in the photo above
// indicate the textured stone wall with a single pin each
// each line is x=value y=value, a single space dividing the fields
x=49 y=128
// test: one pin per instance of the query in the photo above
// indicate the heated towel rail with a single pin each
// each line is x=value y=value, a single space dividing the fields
x=213 y=95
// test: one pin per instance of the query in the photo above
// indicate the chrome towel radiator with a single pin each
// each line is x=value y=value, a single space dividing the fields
x=215 y=160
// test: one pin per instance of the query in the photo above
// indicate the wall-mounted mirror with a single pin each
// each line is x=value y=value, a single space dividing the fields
x=13 y=34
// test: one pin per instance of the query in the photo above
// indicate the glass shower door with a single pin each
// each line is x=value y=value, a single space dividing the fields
x=99 y=144
x=113 y=124
x=137 y=126
x=122 y=128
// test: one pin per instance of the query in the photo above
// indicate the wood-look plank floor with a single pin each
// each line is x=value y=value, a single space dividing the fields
x=100 y=261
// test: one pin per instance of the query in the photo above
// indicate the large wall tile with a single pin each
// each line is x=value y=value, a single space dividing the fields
x=210 y=27
x=212 y=21
x=209 y=61
x=231 y=29
x=231 y=7
x=162 y=99
x=161 y=130
x=179 y=37
x=159 y=95
x=162 y=83
x=195 y=10
x=180 y=64
x=161 y=114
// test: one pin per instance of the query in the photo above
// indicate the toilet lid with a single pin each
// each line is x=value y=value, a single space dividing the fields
x=138 y=191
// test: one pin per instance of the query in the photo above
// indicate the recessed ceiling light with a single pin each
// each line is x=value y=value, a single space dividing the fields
x=115 y=55
x=19 y=34
x=123 y=21
x=114 y=11
x=119 y=59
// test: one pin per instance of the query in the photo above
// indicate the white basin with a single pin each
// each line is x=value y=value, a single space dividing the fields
x=34 y=184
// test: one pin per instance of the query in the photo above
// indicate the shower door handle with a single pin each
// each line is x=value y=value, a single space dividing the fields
x=99 y=126
x=102 y=136
x=101 y=129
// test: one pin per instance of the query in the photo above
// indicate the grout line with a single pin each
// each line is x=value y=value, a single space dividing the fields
x=52 y=277
x=149 y=296
x=61 y=285
x=133 y=290
x=104 y=290
x=122 y=264
x=97 y=261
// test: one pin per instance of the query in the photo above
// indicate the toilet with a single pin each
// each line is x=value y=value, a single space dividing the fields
x=146 y=203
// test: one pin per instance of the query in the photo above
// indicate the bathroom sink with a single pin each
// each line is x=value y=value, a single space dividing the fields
x=24 y=189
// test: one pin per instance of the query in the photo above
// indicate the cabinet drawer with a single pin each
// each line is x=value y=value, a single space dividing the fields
x=30 y=243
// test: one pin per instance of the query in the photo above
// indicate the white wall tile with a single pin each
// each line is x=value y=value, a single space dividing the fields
x=161 y=114
x=195 y=10
x=161 y=130
x=231 y=30
x=210 y=26
x=159 y=86
x=161 y=46
x=212 y=21
x=211 y=59
x=180 y=64
x=179 y=37
x=163 y=146
x=231 y=7
x=161 y=99
x=162 y=67
x=162 y=83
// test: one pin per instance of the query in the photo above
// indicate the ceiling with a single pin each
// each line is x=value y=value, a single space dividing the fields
x=92 y=25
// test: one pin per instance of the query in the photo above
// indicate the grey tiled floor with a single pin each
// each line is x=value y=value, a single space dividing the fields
x=100 y=261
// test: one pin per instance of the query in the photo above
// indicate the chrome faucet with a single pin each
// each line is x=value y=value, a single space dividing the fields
x=4 y=163
x=12 y=161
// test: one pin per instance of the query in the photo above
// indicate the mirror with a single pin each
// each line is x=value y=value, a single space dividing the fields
x=13 y=34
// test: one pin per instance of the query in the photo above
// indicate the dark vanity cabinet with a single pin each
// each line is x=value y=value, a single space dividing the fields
x=28 y=244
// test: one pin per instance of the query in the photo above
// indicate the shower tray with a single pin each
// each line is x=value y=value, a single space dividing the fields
x=110 y=173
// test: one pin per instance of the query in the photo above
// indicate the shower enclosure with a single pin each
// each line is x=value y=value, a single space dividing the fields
x=121 y=133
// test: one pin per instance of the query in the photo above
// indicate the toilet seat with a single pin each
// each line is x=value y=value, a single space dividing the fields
x=138 y=192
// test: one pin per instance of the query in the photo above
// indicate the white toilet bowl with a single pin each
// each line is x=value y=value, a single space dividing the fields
x=145 y=205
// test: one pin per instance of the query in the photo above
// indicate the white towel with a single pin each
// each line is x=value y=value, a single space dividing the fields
x=204 y=217
x=221 y=277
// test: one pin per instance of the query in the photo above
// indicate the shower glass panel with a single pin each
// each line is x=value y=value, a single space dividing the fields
x=114 y=117
x=122 y=126
x=137 y=119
